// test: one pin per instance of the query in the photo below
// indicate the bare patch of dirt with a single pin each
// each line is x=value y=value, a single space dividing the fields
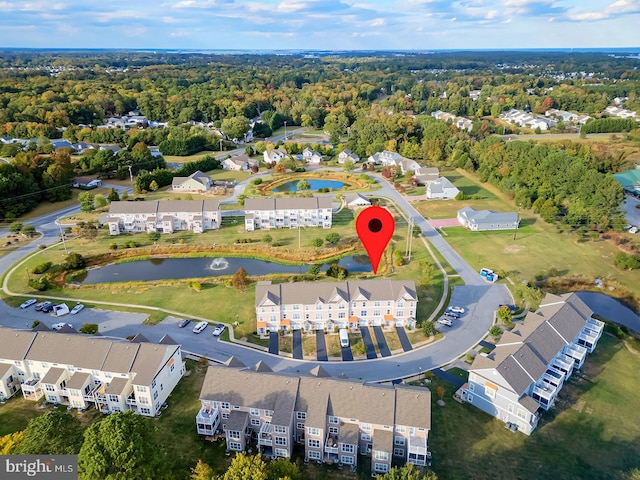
x=513 y=249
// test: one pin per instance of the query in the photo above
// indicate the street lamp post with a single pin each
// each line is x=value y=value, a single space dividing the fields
x=64 y=243
x=220 y=145
x=285 y=131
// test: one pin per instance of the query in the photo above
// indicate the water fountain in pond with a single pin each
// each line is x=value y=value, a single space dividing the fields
x=218 y=264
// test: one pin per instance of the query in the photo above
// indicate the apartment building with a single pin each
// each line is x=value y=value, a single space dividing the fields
x=163 y=216
x=273 y=412
x=83 y=371
x=288 y=212
x=326 y=305
x=521 y=378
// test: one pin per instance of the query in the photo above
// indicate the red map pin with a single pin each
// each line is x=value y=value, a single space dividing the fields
x=375 y=227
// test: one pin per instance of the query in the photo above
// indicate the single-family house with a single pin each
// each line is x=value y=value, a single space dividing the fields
x=520 y=379
x=325 y=305
x=163 y=216
x=347 y=154
x=237 y=162
x=82 y=147
x=480 y=220
x=287 y=212
x=311 y=156
x=61 y=143
x=394 y=159
x=274 y=156
x=356 y=200
x=272 y=412
x=442 y=188
x=81 y=370
x=86 y=183
x=426 y=175
x=197 y=182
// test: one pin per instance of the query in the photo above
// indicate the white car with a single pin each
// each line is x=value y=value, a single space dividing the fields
x=459 y=310
x=28 y=303
x=633 y=230
x=218 y=330
x=76 y=309
x=200 y=327
x=445 y=321
x=58 y=326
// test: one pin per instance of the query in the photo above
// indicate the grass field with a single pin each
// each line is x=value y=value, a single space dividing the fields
x=538 y=248
x=189 y=158
x=591 y=433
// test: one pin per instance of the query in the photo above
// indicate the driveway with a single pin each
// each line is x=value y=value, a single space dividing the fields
x=368 y=343
x=404 y=339
x=347 y=354
x=321 y=346
x=632 y=213
x=382 y=342
x=274 y=346
x=297 y=344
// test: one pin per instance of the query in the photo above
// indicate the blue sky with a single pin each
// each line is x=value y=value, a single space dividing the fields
x=319 y=24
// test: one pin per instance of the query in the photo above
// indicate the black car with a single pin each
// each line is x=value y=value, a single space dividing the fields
x=451 y=315
x=184 y=323
x=47 y=308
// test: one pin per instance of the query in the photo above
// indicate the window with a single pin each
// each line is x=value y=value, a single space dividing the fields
x=172 y=368
x=145 y=411
x=225 y=415
x=268 y=413
x=399 y=441
x=281 y=441
x=279 y=429
x=363 y=313
x=155 y=395
x=318 y=316
x=381 y=455
x=376 y=304
x=143 y=400
x=313 y=431
x=472 y=377
x=490 y=392
x=49 y=388
x=300 y=426
x=347 y=448
x=366 y=427
x=254 y=412
x=334 y=420
x=400 y=305
x=333 y=430
x=398 y=452
x=313 y=455
x=235 y=446
x=346 y=459
x=381 y=467
x=522 y=414
x=401 y=429
x=224 y=405
x=301 y=415
x=255 y=422
x=281 y=452
x=471 y=387
x=313 y=443
x=470 y=398
x=366 y=437
x=114 y=398
x=153 y=384
x=510 y=408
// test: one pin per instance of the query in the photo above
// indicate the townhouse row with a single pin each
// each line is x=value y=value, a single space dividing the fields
x=521 y=378
x=168 y=216
x=327 y=305
x=256 y=408
x=82 y=371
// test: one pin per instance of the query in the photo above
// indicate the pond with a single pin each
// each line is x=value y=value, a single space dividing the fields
x=314 y=184
x=161 y=268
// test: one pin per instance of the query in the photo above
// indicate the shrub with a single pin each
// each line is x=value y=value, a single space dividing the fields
x=74 y=261
x=154 y=236
x=35 y=323
x=113 y=246
x=317 y=242
x=15 y=227
x=257 y=181
x=398 y=259
x=461 y=196
x=336 y=271
x=28 y=230
x=332 y=238
x=131 y=244
x=267 y=238
x=504 y=313
x=495 y=331
x=89 y=328
x=43 y=267
x=41 y=284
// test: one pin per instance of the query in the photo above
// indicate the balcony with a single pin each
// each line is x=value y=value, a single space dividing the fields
x=91 y=396
x=331 y=444
x=32 y=389
x=564 y=364
x=545 y=394
x=265 y=434
x=131 y=400
x=208 y=415
x=418 y=446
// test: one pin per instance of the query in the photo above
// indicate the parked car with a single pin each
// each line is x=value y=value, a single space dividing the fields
x=184 y=323
x=445 y=321
x=47 y=307
x=77 y=309
x=28 y=303
x=633 y=230
x=200 y=327
x=40 y=305
x=459 y=310
x=451 y=315
x=58 y=326
x=218 y=330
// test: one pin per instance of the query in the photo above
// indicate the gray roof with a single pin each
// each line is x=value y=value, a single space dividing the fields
x=485 y=217
x=522 y=355
x=413 y=406
x=287 y=203
x=15 y=344
x=440 y=184
x=150 y=360
x=349 y=433
x=237 y=421
x=383 y=440
x=78 y=380
x=234 y=362
x=310 y=292
x=356 y=196
x=139 y=338
x=53 y=375
x=167 y=340
x=262 y=367
x=318 y=371
x=163 y=206
x=116 y=386
x=76 y=350
x=4 y=368
x=120 y=357
x=123 y=207
x=529 y=403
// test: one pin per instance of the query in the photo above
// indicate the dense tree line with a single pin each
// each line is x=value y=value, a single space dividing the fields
x=163 y=176
x=609 y=125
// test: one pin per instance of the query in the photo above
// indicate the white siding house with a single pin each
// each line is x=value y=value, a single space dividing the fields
x=442 y=188
x=288 y=212
x=479 y=220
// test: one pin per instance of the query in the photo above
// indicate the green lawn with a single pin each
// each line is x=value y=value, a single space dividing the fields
x=189 y=158
x=591 y=433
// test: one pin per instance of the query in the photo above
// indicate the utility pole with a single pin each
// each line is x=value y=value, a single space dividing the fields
x=130 y=174
x=410 y=238
x=285 y=131
x=64 y=243
x=515 y=230
x=220 y=144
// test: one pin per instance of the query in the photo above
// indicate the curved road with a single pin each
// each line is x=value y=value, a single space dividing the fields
x=479 y=298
